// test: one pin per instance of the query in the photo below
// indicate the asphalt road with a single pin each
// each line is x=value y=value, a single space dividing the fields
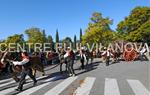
x=123 y=78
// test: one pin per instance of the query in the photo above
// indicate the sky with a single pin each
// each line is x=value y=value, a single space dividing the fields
x=68 y=16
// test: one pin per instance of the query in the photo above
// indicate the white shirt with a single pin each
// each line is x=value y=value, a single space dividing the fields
x=66 y=55
x=143 y=51
x=24 y=61
x=108 y=53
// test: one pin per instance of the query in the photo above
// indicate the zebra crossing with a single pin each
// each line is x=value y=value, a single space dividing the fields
x=111 y=86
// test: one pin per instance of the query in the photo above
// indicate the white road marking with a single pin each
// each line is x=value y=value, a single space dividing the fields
x=5 y=84
x=5 y=80
x=85 y=87
x=138 y=88
x=61 y=86
x=111 y=87
x=6 y=91
x=36 y=88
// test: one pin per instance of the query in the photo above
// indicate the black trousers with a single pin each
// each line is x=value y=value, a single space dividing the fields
x=143 y=57
x=107 y=60
x=24 y=73
x=70 y=66
x=82 y=63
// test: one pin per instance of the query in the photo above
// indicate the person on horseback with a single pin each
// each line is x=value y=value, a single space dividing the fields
x=26 y=70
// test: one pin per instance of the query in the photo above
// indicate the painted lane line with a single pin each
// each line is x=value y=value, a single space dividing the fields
x=111 y=87
x=61 y=86
x=11 y=82
x=138 y=88
x=36 y=88
x=85 y=87
x=5 y=80
x=6 y=91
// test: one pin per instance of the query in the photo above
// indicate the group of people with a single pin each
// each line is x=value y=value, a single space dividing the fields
x=67 y=57
x=26 y=69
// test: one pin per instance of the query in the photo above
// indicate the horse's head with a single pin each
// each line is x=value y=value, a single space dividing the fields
x=5 y=56
x=8 y=56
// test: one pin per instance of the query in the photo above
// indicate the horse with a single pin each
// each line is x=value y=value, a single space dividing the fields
x=15 y=70
x=90 y=55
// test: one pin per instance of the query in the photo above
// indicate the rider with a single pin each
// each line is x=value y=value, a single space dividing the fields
x=26 y=70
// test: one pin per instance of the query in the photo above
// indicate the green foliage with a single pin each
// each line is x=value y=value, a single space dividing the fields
x=136 y=26
x=2 y=47
x=35 y=35
x=75 y=41
x=50 y=40
x=57 y=36
x=98 y=30
x=80 y=35
x=15 y=39
x=44 y=36
x=67 y=40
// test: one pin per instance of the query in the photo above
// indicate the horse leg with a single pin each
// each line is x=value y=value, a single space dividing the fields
x=41 y=69
x=33 y=72
x=14 y=76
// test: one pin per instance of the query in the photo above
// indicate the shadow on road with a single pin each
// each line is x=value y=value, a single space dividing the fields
x=89 y=67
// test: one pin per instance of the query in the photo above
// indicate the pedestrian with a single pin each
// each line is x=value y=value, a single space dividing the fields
x=43 y=58
x=70 y=57
x=26 y=70
x=142 y=54
x=82 y=58
x=49 y=58
x=62 y=59
x=107 y=54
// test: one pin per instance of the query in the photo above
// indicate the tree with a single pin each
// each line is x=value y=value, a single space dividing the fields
x=35 y=35
x=44 y=36
x=98 y=30
x=17 y=38
x=75 y=41
x=67 y=41
x=135 y=27
x=50 y=40
x=57 y=36
x=80 y=35
x=3 y=46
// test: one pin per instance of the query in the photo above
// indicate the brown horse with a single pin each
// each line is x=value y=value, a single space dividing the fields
x=15 y=70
